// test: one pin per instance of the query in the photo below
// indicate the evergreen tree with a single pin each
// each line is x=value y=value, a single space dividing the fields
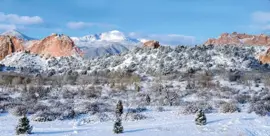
x=119 y=109
x=137 y=88
x=200 y=118
x=118 y=128
x=148 y=99
x=23 y=127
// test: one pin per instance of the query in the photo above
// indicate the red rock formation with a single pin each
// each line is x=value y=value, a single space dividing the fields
x=265 y=58
x=152 y=44
x=9 y=45
x=54 y=46
x=240 y=39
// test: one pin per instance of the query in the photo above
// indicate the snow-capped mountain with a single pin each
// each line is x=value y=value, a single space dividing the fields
x=17 y=34
x=112 y=42
x=111 y=36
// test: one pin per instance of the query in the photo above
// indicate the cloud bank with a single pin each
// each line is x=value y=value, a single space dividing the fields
x=14 y=21
x=23 y=20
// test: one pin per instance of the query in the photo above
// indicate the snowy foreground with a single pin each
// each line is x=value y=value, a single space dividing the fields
x=168 y=123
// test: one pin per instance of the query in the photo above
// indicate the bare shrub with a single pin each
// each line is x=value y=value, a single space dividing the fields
x=136 y=110
x=242 y=98
x=18 y=110
x=261 y=108
x=43 y=116
x=32 y=93
x=260 y=104
x=193 y=107
x=160 y=109
x=71 y=78
x=234 y=76
x=93 y=92
x=68 y=94
x=93 y=108
x=16 y=81
x=67 y=114
x=205 y=79
x=134 y=116
x=229 y=108
x=37 y=107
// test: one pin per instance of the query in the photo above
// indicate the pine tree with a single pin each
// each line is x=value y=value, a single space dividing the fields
x=148 y=99
x=137 y=88
x=118 y=128
x=23 y=126
x=119 y=108
x=200 y=118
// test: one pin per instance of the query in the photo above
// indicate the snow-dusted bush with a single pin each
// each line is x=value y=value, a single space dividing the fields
x=242 y=98
x=99 y=117
x=33 y=93
x=67 y=114
x=261 y=104
x=16 y=81
x=68 y=94
x=93 y=92
x=234 y=75
x=70 y=77
x=19 y=110
x=37 y=107
x=229 y=107
x=130 y=116
x=261 y=108
x=93 y=108
x=160 y=109
x=193 y=107
x=136 y=110
x=47 y=115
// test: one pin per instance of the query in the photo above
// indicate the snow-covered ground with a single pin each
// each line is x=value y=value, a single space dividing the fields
x=168 y=123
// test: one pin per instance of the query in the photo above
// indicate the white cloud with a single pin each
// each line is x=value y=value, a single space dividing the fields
x=266 y=27
x=260 y=21
x=81 y=25
x=166 y=39
x=261 y=17
x=7 y=27
x=23 y=20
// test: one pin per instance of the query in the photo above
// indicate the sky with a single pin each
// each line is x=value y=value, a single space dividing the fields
x=171 y=21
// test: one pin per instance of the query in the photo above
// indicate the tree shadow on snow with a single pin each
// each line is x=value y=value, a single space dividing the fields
x=136 y=130
x=218 y=120
x=57 y=132
x=3 y=114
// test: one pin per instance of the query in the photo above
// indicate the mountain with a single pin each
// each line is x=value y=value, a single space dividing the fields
x=240 y=39
x=54 y=45
x=112 y=42
x=111 y=36
x=17 y=34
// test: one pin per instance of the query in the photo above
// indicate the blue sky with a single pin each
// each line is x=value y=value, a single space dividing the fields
x=187 y=19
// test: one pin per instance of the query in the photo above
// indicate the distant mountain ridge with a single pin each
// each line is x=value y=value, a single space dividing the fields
x=17 y=34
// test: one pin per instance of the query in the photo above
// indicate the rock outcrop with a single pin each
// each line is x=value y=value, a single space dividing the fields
x=54 y=46
x=152 y=44
x=265 y=58
x=9 y=44
x=240 y=39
